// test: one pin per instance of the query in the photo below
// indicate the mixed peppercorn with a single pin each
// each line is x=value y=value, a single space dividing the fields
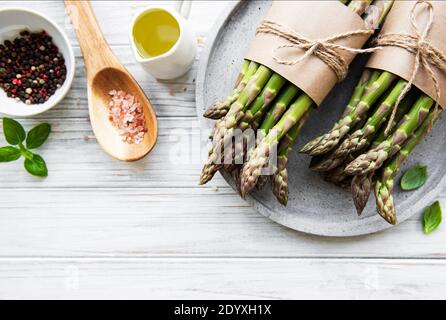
x=31 y=67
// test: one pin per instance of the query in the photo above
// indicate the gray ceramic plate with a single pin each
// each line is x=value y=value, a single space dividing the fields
x=314 y=206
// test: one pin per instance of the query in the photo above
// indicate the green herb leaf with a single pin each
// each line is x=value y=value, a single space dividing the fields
x=13 y=131
x=8 y=154
x=26 y=153
x=38 y=135
x=36 y=166
x=414 y=178
x=432 y=217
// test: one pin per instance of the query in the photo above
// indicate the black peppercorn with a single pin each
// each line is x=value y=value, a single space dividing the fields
x=31 y=67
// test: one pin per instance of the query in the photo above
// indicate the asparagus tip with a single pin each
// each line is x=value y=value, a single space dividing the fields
x=388 y=215
x=360 y=188
x=216 y=111
x=261 y=183
x=384 y=202
x=310 y=145
x=208 y=173
x=280 y=186
x=325 y=164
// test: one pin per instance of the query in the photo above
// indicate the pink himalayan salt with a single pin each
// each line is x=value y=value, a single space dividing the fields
x=126 y=115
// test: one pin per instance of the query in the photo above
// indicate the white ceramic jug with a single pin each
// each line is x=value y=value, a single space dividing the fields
x=179 y=59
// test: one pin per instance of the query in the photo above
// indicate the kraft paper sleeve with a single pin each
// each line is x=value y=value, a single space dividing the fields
x=316 y=20
x=400 y=61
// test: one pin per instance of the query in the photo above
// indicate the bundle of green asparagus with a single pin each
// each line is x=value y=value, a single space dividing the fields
x=266 y=102
x=359 y=150
x=385 y=120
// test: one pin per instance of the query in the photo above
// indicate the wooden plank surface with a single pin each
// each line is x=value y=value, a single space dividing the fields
x=223 y=279
x=176 y=222
x=146 y=230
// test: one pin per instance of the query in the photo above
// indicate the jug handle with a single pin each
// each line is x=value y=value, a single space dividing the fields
x=183 y=7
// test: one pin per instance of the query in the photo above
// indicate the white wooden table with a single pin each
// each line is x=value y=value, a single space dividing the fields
x=99 y=228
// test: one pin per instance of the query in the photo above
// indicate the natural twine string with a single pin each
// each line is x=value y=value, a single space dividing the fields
x=324 y=49
x=425 y=55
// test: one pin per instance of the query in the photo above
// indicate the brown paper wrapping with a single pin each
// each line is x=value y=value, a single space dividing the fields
x=314 y=20
x=399 y=61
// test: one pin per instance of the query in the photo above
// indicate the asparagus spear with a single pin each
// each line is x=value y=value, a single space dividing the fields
x=236 y=177
x=224 y=132
x=244 y=99
x=364 y=85
x=246 y=96
x=264 y=100
x=384 y=185
x=374 y=159
x=279 y=185
x=242 y=73
x=376 y=17
x=328 y=162
x=256 y=111
x=260 y=156
x=252 y=120
x=282 y=102
x=331 y=139
x=373 y=19
x=361 y=184
x=361 y=187
x=366 y=79
x=338 y=177
x=219 y=109
x=404 y=107
x=336 y=173
x=284 y=99
x=359 y=6
x=252 y=90
x=360 y=138
x=261 y=183
x=240 y=157
x=279 y=179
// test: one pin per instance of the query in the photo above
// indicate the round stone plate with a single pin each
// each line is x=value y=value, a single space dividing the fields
x=314 y=206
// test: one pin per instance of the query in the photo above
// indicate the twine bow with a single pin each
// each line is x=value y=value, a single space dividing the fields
x=425 y=55
x=326 y=49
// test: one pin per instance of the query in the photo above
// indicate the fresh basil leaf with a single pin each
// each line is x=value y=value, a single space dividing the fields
x=26 y=153
x=13 y=131
x=36 y=166
x=414 y=178
x=8 y=154
x=432 y=217
x=38 y=135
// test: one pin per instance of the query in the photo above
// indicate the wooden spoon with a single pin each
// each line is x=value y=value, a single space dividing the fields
x=105 y=73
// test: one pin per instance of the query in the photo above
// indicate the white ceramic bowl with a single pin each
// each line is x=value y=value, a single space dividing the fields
x=14 y=20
